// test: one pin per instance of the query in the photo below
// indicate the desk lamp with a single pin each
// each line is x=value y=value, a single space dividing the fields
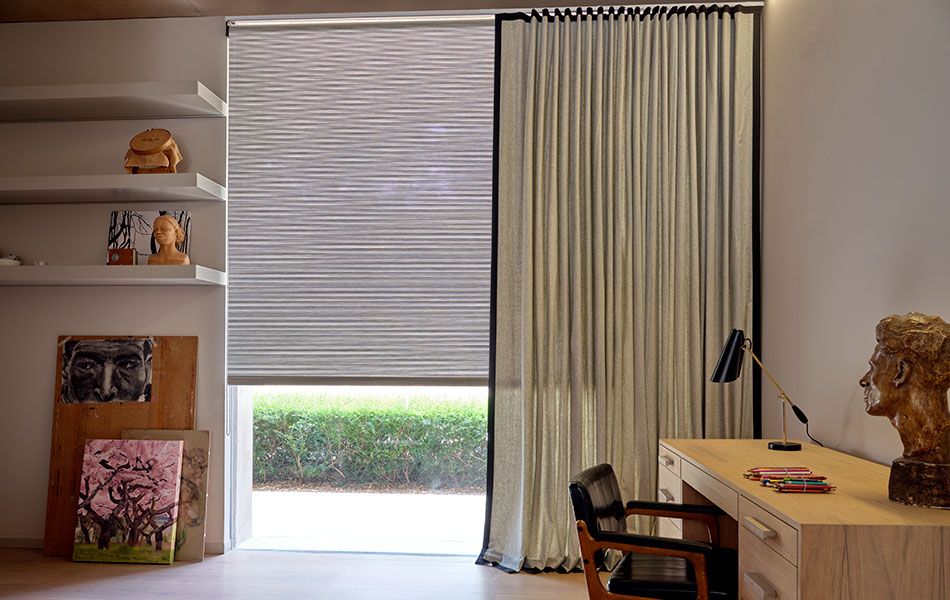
x=728 y=368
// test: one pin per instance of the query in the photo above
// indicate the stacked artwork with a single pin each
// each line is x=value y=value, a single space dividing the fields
x=128 y=501
x=104 y=385
x=193 y=498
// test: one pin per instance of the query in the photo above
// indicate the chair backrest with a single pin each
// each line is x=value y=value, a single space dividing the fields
x=595 y=496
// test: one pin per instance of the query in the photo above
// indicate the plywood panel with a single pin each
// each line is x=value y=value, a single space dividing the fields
x=174 y=370
x=866 y=562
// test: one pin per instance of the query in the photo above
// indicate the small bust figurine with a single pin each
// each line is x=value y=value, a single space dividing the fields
x=167 y=232
x=907 y=383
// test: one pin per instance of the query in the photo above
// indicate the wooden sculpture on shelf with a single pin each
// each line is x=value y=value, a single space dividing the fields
x=907 y=383
x=152 y=151
x=167 y=232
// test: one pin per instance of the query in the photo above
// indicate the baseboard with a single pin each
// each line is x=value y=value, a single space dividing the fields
x=217 y=548
x=6 y=542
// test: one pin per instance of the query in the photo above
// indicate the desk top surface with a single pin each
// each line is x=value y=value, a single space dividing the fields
x=860 y=497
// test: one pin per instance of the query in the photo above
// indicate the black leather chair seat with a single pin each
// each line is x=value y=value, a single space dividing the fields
x=672 y=578
x=652 y=566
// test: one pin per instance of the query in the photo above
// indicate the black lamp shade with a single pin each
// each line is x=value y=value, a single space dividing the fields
x=730 y=361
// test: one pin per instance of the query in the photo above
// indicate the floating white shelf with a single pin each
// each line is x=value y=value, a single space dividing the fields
x=87 y=189
x=112 y=275
x=160 y=99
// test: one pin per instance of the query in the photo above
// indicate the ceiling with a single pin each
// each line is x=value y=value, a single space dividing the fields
x=15 y=11
x=78 y=10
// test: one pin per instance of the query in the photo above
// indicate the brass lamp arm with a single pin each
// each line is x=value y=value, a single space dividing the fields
x=782 y=393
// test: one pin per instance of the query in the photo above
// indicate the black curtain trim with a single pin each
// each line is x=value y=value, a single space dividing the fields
x=642 y=12
x=757 y=218
x=493 y=306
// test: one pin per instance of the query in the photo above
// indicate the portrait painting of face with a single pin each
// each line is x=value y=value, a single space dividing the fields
x=107 y=370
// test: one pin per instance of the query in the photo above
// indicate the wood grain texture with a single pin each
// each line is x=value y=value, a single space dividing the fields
x=250 y=575
x=853 y=543
x=861 y=497
x=757 y=557
x=174 y=371
x=785 y=539
x=720 y=494
x=868 y=562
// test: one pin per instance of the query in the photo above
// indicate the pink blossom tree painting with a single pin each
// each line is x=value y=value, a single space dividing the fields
x=128 y=501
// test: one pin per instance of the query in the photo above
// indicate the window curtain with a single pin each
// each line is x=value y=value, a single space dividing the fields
x=359 y=217
x=624 y=254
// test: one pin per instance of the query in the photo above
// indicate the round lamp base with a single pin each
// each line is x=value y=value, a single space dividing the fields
x=788 y=446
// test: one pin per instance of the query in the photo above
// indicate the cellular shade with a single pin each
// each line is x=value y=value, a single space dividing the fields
x=359 y=218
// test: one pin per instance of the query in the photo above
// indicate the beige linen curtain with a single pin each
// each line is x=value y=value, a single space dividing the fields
x=624 y=255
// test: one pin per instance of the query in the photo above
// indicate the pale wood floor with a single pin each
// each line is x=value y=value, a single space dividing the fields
x=264 y=575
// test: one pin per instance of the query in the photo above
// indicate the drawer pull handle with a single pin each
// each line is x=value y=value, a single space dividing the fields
x=760 y=530
x=666 y=461
x=667 y=496
x=761 y=586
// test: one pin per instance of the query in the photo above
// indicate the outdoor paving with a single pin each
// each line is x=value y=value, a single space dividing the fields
x=366 y=522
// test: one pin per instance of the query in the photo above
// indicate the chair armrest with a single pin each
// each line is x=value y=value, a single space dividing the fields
x=641 y=542
x=694 y=552
x=634 y=506
x=706 y=515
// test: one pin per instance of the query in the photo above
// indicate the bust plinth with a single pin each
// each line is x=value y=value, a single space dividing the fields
x=919 y=483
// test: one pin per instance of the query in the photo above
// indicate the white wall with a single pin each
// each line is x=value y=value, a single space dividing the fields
x=31 y=318
x=856 y=199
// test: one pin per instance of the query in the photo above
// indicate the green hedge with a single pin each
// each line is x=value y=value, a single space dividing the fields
x=415 y=441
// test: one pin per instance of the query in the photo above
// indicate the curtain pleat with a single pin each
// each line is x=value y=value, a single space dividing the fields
x=624 y=255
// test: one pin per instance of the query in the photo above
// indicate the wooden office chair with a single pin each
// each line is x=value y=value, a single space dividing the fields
x=652 y=567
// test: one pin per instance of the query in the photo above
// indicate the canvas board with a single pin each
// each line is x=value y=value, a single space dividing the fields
x=128 y=501
x=193 y=497
x=133 y=229
x=106 y=370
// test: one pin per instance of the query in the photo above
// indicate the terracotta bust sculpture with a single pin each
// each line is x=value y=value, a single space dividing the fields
x=907 y=383
x=167 y=232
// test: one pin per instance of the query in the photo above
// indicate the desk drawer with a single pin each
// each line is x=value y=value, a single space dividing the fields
x=772 y=531
x=763 y=573
x=714 y=490
x=669 y=460
x=671 y=528
x=669 y=487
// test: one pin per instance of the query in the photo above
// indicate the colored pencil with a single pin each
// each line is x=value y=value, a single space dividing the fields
x=804 y=487
x=771 y=472
x=771 y=481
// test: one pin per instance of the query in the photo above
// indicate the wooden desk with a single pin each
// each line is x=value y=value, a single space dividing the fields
x=852 y=543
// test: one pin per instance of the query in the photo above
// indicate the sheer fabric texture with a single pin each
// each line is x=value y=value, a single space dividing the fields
x=624 y=255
